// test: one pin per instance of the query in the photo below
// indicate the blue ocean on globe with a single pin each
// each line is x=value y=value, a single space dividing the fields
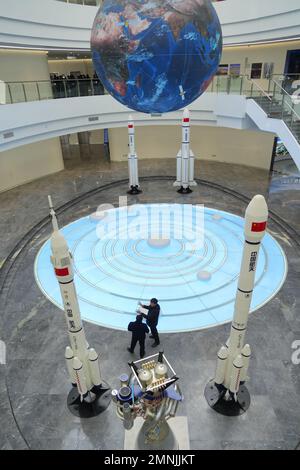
x=156 y=56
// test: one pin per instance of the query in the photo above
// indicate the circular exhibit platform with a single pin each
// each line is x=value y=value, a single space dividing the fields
x=117 y=264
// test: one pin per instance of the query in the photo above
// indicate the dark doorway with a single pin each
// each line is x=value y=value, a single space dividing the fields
x=291 y=71
x=292 y=65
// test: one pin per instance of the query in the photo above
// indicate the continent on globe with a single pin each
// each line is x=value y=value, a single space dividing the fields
x=156 y=56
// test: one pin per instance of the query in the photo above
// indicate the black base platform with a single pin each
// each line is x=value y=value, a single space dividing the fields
x=134 y=190
x=215 y=397
x=93 y=404
x=184 y=190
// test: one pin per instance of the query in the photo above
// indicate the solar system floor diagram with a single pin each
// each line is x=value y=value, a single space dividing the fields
x=195 y=283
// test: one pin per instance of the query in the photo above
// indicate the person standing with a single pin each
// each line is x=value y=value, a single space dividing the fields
x=139 y=331
x=152 y=319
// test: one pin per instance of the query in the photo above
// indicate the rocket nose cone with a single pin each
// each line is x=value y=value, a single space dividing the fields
x=58 y=241
x=238 y=362
x=69 y=353
x=223 y=353
x=93 y=356
x=257 y=208
x=77 y=364
x=130 y=118
x=246 y=351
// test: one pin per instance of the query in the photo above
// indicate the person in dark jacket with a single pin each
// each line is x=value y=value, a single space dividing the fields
x=152 y=319
x=139 y=331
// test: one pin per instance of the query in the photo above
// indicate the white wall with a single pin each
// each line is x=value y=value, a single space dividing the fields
x=29 y=162
x=23 y=65
x=241 y=147
x=260 y=53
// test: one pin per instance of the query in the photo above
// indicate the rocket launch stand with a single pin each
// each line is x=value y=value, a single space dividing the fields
x=223 y=401
x=95 y=402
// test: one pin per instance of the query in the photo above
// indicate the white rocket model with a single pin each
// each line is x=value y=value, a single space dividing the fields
x=234 y=357
x=185 y=158
x=134 y=186
x=82 y=361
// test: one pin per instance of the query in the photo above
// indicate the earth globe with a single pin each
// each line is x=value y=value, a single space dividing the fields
x=156 y=56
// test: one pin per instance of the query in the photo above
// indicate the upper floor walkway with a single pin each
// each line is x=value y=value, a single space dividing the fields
x=241 y=105
x=52 y=24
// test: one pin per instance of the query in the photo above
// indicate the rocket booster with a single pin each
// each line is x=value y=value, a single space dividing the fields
x=185 y=157
x=132 y=160
x=233 y=359
x=82 y=362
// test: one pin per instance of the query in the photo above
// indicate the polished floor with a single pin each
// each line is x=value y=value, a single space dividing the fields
x=34 y=382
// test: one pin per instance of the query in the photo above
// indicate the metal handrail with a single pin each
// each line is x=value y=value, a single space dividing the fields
x=293 y=110
x=54 y=80
x=285 y=74
x=284 y=91
x=259 y=87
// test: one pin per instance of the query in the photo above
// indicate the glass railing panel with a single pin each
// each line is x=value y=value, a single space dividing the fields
x=85 y=87
x=210 y=88
x=83 y=2
x=17 y=92
x=31 y=91
x=287 y=82
x=287 y=107
x=246 y=86
x=71 y=88
x=91 y=3
x=297 y=109
x=44 y=90
x=7 y=94
x=236 y=84
x=278 y=97
x=97 y=87
x=221 y=84
x=59 y=89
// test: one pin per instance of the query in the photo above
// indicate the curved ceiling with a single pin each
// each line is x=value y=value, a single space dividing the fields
x=53 y=25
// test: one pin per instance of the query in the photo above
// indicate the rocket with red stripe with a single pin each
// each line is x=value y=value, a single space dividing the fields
x=185 y=158
x=234 y=357
x=82 y=361
x=134 y=186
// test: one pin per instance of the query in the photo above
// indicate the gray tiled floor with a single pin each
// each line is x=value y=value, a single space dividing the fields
x=34 y=383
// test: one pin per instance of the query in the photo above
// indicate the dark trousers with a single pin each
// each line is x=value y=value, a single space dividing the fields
x=134 y=340
x=154 y=332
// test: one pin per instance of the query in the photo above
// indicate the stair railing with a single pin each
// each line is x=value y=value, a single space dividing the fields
x=288 y=113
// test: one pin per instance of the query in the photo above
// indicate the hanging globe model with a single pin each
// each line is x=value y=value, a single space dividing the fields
x=156 y=56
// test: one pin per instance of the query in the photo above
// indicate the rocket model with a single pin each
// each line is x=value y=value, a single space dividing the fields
x=227 y=393
x=134 y=187
x=185 y=158
x=82 y=361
